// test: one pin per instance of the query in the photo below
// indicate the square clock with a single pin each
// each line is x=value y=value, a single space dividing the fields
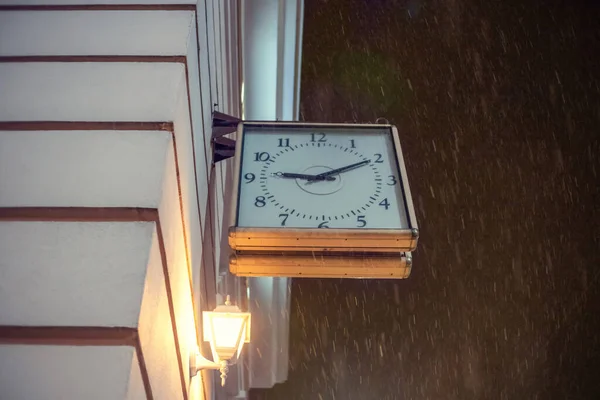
x=320 y=188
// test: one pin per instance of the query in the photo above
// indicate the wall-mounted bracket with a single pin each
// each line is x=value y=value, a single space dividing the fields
x=223 y=124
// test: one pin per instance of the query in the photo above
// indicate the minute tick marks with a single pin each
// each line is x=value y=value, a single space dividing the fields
x=338 y=182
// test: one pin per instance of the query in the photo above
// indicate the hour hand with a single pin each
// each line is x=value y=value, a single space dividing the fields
x=303 y=176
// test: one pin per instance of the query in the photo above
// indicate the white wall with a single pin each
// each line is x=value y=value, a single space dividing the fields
x=66 y=118
x=95 y=373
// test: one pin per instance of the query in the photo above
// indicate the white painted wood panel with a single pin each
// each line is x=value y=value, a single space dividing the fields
x=219 y=50
x=202 y=129
x=290 y=59
x=217 y=214
x=76 y=33
x=205 y=84
x=87 y=2
x=73 y=273
x=221 y=99
x=65 y=372
x=113 y=91
x=135 y=386
x=233 y=46
x=187 y=172
x=52 y=91
x=179 y=277
x=211 y=30
x=260 y=37
x=82 y=168
x=156 y=332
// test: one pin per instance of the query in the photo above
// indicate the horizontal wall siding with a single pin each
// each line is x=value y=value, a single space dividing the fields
x=95 y=66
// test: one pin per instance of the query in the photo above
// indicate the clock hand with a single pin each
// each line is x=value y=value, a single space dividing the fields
x=341 y=169
x=303 y=176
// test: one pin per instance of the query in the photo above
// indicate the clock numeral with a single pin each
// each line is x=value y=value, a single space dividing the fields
x=319 y=139
x=385 y=203
x=323 y=224
x=285 y=217
x=249 y=177
x=352 y=144
x=378 y=159
x=260 y=201
x=361 y=221
x=392 y=180
x=284 y=142
x=262 y=156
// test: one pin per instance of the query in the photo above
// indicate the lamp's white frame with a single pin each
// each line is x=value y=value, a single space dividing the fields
x=198 y=362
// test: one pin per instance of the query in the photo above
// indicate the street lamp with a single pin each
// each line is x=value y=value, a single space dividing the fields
x=226 y=328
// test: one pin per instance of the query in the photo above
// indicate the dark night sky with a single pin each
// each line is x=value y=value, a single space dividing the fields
x=498 y=103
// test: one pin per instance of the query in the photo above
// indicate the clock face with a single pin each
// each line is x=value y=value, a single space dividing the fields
x=320 y=177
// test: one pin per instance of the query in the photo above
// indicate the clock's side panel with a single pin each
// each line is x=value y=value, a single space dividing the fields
x=410 y=209
x=237 y=170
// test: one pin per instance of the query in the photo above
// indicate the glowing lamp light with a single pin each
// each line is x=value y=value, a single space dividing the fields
x=226 y=328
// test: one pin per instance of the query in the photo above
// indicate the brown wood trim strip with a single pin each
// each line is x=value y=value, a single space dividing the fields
x=143 y=368
x=84 y=126
x=88 y=58
x=102 y=7
x=78 y=214
x=68 y=335
x=163 y=256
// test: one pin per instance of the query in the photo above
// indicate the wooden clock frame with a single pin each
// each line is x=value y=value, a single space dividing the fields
x=332 y=241
x=322 y=265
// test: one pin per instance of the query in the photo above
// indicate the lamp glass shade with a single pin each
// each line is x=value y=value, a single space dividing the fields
x=226 y=331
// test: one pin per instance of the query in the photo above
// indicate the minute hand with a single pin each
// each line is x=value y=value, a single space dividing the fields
x=342 y=169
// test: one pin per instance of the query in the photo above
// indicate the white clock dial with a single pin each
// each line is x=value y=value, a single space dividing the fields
x=320 y=178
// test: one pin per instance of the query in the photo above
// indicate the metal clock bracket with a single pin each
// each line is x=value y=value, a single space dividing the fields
x=223 y=124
